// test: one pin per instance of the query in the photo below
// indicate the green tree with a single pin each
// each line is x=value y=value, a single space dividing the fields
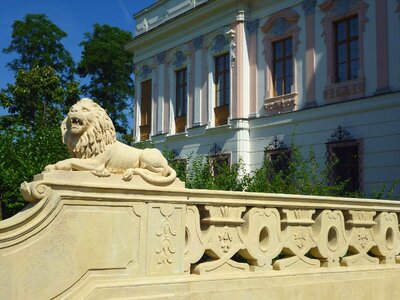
x=23 y=154
x=30 y=136
x=37 y=42
x=37 y=98
x=109 y=67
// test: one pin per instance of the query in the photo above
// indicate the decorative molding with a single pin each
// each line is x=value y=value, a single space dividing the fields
x=198 y=43
x=252 y=26
x=221 y=43
x=309 y=6
x=281 y=104
x=340 y=8
x=145 y=72
x=161 y=57
x=240 y=17
x=280 y=22
x=166 y=233
x=178 y=57
x=346 y=90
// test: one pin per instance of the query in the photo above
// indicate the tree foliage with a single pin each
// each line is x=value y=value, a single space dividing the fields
x=109 y=67
x=37 y=42
x=23 y=154
x=37 y=98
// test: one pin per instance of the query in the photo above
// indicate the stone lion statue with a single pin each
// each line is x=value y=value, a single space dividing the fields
x=90 y=137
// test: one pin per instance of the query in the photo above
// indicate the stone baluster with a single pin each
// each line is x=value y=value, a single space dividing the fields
x=387 y=237
x=222 y=240
x=359 y=227
x=263 y=238
x=298 y=240
x=330 y=235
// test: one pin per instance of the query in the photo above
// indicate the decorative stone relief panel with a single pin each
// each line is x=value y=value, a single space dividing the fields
x=165 y=239
x=222 y=240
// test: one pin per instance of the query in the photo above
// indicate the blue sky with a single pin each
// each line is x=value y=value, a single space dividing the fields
x=75 y=17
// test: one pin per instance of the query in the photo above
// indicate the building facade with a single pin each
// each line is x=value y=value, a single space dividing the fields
x=243 y=79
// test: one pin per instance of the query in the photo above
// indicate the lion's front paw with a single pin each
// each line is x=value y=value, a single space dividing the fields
x=49 y=168
x=102 y=173
x=128 y=174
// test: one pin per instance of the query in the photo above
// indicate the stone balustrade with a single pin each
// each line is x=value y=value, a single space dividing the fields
x=88 y=237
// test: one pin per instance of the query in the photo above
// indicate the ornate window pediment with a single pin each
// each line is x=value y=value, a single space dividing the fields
x=220 y=42
x=179 y=56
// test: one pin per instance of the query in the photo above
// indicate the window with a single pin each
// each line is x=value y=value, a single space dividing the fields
x=282 y=66
x=222 y=89
x=344 y=153
x=145 y=110
x=218 y=163
x=347 y=167
x=181 y=100
x=347 y=58
x=279 y=160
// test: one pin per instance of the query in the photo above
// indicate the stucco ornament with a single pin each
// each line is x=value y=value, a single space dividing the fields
x=90 y=137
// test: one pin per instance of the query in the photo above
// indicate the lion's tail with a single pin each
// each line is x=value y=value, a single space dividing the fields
x=156 y=179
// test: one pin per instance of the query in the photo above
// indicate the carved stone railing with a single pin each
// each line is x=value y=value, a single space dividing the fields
x=89 y=237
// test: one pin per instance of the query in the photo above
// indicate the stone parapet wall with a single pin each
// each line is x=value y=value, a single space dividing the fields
x=85 y=237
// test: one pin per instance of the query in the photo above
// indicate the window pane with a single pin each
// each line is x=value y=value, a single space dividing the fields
x=342 y=72
x=354 y=50
x=289 y=67
x=353 y=24
x=341 y=31
x=278 y=87
x=354 y=66
x=278 y=51
x=288 y=47
x=278 y=70
x=288 y=84
x=342 y=53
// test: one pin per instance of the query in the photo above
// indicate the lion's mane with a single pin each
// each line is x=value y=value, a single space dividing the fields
x=95 y=139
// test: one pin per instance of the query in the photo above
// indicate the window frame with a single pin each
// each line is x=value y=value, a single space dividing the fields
x=279 y=26
x=350 y=89
x=221 y=108
x=333 y=176
x=226 y=75
x=216 y=158
x=145 y=109
x=347 y=41
x=181 y=99
x=282 y=60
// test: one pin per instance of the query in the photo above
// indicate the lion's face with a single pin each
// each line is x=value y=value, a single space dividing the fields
x=81 y=116
x=87 y=129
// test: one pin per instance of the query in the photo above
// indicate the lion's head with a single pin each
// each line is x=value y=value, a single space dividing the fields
x=87 y=129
